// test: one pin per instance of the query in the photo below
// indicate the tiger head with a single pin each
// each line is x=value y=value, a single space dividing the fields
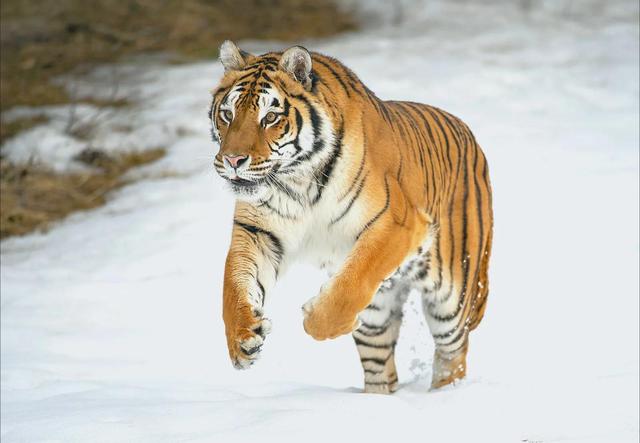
x=262 y=119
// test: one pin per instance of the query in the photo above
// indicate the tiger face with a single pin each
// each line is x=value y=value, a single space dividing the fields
x=258 y=120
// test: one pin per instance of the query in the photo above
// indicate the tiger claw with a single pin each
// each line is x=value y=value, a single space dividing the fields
x=248 y=344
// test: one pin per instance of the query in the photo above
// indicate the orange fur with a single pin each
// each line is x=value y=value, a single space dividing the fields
x=408 y=170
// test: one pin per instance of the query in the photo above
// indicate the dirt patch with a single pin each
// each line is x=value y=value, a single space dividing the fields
x=32 y=197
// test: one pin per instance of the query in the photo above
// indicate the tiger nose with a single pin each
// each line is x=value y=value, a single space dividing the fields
x=235 y=161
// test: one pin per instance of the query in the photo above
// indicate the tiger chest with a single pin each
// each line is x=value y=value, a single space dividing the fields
x=325 y=248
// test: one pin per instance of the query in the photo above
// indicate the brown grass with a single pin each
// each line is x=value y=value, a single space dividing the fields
x=8 y=130
x=32 y=197
x=41 y=39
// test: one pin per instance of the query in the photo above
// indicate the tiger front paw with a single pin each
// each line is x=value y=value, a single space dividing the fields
x=322 y=320
x=245 y=342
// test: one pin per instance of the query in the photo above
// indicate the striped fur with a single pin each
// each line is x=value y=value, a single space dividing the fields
x=388 y=196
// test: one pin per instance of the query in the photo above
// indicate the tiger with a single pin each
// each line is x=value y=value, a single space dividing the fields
x=388 y=197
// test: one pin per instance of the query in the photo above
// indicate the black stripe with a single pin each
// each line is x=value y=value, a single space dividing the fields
x=380 y=383
x=320 y=80
x=278 y=250
x=458 y=336
x=384 y=112
x=277 y=211
x=447 y=334
x=327 y=170
x=439 y=258
x=336 y=75
x=453 y=351
x=318 y=143
x=286 y=189
x=465 y=224
x=353 y=80
x=380 y=329
x=378 y=361
x=373 y=99
x=247 y=75
x=360 y=169
x=360 y=342
x=448 y=317
x=262 y=292
x=316 y=121
x=298 y=121
x=478 y=214
x=351 y=202
x=379 y=214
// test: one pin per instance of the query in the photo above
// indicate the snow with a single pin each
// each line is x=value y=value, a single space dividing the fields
x=111 y=323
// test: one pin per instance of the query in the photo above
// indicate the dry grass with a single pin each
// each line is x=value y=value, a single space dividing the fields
x=41 y=39
x=8 y=130
x=31 y=197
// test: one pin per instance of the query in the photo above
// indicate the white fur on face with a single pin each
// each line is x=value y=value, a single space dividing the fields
x=229 y=101
x=265 y=103
x=272 y=101
x=228 y=104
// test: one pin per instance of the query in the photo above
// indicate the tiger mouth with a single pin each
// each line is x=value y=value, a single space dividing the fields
x=242 y=186
x=242 y=182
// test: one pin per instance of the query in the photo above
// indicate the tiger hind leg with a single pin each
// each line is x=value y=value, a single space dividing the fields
x=451 y=314
x=448 y=367
x=454 y=292
x=377 y=335
x=450 y=331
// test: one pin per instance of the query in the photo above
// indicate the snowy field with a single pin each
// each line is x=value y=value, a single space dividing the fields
x=111 y=321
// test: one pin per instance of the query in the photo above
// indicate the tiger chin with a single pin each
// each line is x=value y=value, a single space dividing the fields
x=388 y=196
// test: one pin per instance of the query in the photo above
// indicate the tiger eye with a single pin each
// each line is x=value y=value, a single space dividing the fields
x=270 y=117
x=227 y=115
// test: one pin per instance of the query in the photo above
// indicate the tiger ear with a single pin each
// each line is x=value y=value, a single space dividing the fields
x=231 y=57
x=296 y=61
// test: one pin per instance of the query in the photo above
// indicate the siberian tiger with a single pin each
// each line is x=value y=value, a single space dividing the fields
x=388 y=196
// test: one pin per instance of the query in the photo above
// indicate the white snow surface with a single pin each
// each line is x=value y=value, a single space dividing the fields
x=111 y=326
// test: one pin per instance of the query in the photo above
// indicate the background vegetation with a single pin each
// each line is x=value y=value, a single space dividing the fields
x=41 y=40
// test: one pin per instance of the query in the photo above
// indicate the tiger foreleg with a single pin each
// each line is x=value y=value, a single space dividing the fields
x=249 y=272
x=381 y=247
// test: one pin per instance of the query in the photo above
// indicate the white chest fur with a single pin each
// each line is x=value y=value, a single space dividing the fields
x=325 y=249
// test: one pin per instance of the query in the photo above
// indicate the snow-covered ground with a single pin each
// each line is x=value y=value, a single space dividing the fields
x=111 y=321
